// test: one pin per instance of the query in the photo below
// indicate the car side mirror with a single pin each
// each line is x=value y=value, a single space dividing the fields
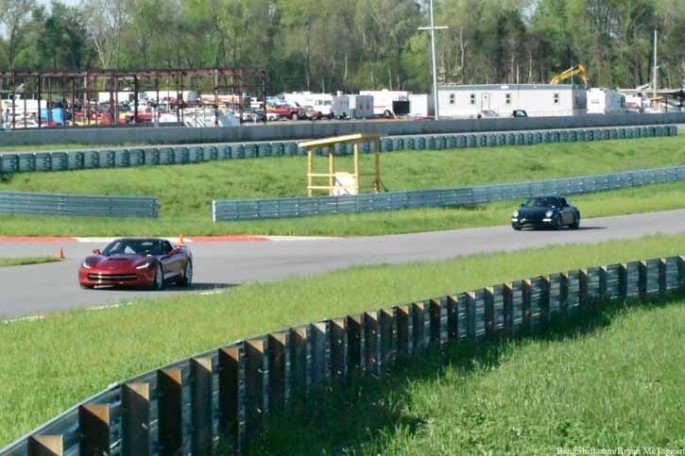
x=96 y=251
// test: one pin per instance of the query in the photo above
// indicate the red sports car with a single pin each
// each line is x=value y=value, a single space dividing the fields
x=137 y=262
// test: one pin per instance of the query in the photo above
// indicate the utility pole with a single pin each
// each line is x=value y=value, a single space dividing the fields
x=432 y=29
x=654 y=70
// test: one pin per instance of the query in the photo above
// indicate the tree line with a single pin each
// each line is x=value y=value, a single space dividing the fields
x=330 y=45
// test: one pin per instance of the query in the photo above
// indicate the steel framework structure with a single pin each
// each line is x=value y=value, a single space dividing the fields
x=75 y=86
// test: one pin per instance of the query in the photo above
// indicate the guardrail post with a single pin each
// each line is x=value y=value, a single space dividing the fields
x=94 y=421
x=46 y=445
x=169 y=385
x=371 y=342
x=438 y=321
x=663 y=275
x=338 y=342
x=279 y=366
x=489 y=317
x=583 y=289
x=201 y=406
x=545 y=291
x=526 y=317
x=622 y=281
x=452 y=318
x=388 y=339
x=563 y=295
x=404 y=331
x=508 y=309
x=355 y=341
x=231 y=404
x=298 y=360
x=470 y=313
x=419 y=321
x=642 y=279
x=135 y=420
x=319 y=353
x=603 y=273
x=256 y=374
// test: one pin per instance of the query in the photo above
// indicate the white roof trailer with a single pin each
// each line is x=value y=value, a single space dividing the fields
x=500 y=100
x=605 y=101
x=352 y=107
x=382 y=100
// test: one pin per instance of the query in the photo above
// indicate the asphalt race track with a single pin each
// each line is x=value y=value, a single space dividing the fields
x=38 y=289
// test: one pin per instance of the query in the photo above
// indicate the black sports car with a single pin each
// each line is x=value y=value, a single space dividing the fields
x=546 y=212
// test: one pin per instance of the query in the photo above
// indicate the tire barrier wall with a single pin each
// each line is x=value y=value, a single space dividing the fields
x=260 y=209
x=222 y=397
x=184 y=154
x=77 y=205
x=278 y=131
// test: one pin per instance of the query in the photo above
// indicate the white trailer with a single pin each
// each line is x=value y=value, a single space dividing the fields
x=352 y=107
x=383 y=100
x=605 y=101
x=501 y=100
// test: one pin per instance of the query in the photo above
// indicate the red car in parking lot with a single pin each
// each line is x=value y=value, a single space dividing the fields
x=137 y=262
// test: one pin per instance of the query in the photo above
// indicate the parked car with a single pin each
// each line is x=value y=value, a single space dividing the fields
x=546 y=212
x=137 y=262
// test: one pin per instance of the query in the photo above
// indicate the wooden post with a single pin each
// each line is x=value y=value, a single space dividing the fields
x=583 y=288
x=623 y=281
x=331 y=181
x=319 y=353
x=135 y=420
x=298 y=360
x=170 y=406
x=279 y=366
x=642 y=279
x=563 y=295
x=377 y=168
x=404 y=331
x=201 y=406
x=310 y=163
x=371 y=342
x=418 y=335
x=526 y=317
x=508 y=309
x=355 y=342
x=387 y=335
x=94 y=421
x=435 y=316
x=255 y=376
x=489 y=312
x=545 y=291
x=452 y=318
x=231 y=404
x=338 y=343
x=357 y=178
x=681 y=273
x=46 y=445
x=663 y=274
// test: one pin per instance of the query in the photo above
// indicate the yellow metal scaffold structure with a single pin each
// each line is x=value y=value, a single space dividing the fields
x=332 y=177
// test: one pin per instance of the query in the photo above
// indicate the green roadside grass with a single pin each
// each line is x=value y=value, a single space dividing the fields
x=24 y=261
x=612 y=379
x=48 y=366
x=185 y=191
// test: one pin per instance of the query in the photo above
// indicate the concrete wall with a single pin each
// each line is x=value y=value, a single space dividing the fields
x=320 y=129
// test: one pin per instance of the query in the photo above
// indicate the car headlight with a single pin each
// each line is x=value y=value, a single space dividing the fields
x=144 y=265
x=515 y=213
x=549 y=213
x=85 y=264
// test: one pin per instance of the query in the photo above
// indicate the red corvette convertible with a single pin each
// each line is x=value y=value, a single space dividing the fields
x=137 y=262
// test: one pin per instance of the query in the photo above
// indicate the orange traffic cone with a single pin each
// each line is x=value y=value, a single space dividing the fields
x=180 y=239
x=60 y=253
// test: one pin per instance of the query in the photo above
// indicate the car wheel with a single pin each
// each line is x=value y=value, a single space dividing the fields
x=516 y=226
x=576 y=222
x=187 y=279
x=556 y=222
x=158 y=280
x=294 y=116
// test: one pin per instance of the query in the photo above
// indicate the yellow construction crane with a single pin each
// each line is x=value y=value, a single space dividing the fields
x=573 y=71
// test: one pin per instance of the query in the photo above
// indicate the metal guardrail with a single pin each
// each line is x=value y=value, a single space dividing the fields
x=223 y=396
x=260 y=209
x=77 y=205
x=183 y=154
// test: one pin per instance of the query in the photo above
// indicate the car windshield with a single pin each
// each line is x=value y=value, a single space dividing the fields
x=135 y=247
x=542 y=202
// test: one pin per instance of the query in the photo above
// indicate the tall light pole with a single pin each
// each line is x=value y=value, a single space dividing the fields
x=432 y=29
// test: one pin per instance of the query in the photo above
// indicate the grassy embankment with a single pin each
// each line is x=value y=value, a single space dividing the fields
x=23 y=261
x=185 y=191
x=47 y=366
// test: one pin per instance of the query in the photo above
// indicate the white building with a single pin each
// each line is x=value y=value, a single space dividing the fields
x=605 y=101
x=501 y=100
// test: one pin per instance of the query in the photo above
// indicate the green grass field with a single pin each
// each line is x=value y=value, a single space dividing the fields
x=48 y=367
x=23 y=261
x=185 y=191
